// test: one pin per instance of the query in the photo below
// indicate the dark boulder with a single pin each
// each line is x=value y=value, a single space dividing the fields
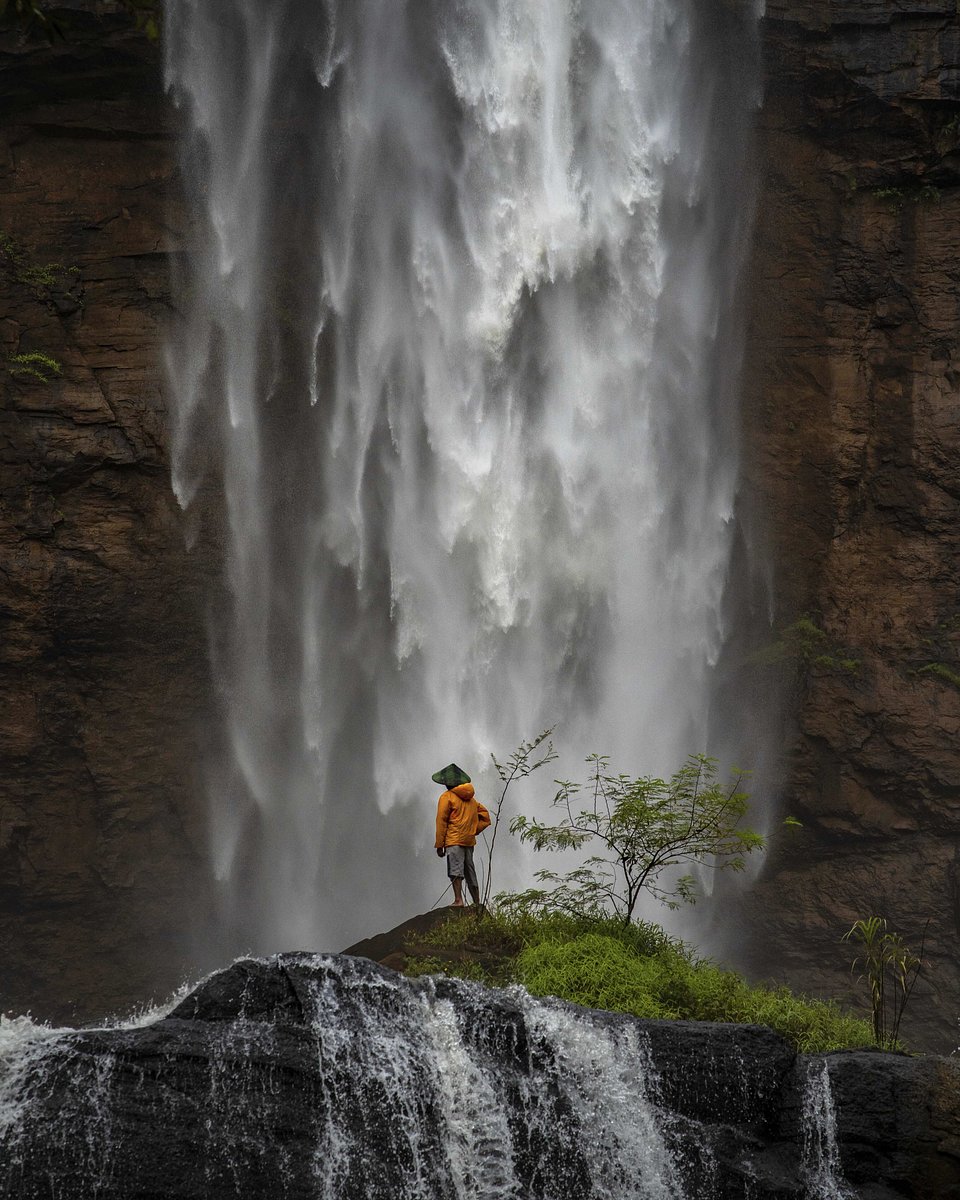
x=332 y=1077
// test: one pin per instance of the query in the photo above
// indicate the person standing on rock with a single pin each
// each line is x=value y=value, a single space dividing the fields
x=460 y=817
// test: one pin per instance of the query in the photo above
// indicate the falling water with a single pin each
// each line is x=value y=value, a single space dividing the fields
x=316 y=1077
x=822 y=1170
x=455 y=391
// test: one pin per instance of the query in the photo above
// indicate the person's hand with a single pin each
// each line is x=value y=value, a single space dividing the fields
x=440 y=852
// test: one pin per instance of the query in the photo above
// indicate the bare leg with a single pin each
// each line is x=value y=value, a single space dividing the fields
x=457 y=893
x=475 y=893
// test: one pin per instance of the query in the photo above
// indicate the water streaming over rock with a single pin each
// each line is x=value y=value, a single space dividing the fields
x=821 y=1154
x=457 y=376
x=330 y=1078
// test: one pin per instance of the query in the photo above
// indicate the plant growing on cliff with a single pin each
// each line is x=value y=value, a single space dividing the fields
x=891 y=970
x=645 y=829
x=527 y=758
x=34 y=365
x=804 y=645
x=51 y=281
x=636 y=968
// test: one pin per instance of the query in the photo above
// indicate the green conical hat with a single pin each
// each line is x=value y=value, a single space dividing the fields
x=451 y=776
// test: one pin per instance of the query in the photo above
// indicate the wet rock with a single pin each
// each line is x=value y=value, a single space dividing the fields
x=318 y=1075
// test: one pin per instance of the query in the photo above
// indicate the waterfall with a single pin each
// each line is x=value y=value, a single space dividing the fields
x=319 y=1077
x=454 y=391
x=822 y=1170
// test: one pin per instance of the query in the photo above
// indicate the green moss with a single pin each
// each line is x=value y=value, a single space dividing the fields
x=428 y=965
x=916 y=192
x=40 y=278
x=636 y=969
x=804 y=645
x=941 y=671
x=35 y=365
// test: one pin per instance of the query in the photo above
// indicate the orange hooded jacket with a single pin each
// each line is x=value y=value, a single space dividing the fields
x=460 y=818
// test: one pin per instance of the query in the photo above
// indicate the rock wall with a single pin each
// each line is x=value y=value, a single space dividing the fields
x=853 y=434
x=102 y=647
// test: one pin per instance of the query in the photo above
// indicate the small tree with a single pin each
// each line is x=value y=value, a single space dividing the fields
x=527 y=758
x=891 y=970
x=643 y=828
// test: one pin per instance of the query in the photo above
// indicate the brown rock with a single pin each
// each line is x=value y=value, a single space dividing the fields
x=853 y=431
x=102 y=650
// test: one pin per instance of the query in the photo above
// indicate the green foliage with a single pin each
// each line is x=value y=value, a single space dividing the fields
x=804 y=645
x=34 y=365
x=643 y=829
x=891 y=970
x=527 y=758
x=598 y=972
x=915 y=191
x=941 y=671
x=476 y=972
x=636 y=968
x=601 y=972
x=40 y=278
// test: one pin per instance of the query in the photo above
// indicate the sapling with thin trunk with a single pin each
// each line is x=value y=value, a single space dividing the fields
x=527 y=758
x=644 y=831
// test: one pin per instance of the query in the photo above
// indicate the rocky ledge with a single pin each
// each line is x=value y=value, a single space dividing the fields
x=328 y=1075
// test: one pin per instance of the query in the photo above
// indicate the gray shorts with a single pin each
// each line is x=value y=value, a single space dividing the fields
x=460 y=864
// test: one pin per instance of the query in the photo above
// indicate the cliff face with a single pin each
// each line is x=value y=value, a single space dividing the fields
x=102 y=651
x=853 y=432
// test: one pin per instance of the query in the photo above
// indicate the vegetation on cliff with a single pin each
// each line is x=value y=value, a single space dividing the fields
x=636 y=968
x=577 y=939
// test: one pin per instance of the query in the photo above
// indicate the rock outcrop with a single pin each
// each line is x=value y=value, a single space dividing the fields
x=305 y=1076
x=853 y=432
x=102 y=648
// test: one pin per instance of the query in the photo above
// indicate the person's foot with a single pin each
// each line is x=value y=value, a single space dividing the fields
x=458 y=904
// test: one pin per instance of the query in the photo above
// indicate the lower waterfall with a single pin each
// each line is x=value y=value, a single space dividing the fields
x=316 y=1077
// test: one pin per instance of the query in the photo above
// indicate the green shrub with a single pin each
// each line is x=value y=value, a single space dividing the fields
x=596 y=971
x=637 y=969
x=599 y=972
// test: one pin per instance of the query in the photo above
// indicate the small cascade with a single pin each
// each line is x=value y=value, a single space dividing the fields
x=330 y=1078
x=325 y=1077
x=822 y=1171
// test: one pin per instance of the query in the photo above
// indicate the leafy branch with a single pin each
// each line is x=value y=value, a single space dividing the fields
x=643 y=828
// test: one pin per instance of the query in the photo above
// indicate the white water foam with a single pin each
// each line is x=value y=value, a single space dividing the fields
x=822 y=1170
x=458 y=363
